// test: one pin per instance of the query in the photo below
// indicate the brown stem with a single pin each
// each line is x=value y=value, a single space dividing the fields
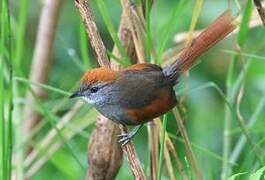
x=104 y=155
x=133 y=159
x=104 y=152
x=127 y=40
x=34 y=161
x=42 y=58
x=153 y=140
x=261 y=10
x=187 y=144
x=92 y=31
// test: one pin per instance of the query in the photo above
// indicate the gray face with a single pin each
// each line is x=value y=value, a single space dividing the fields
x=96 y=94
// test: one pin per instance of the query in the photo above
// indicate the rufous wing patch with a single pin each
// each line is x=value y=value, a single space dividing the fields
x=163 y=103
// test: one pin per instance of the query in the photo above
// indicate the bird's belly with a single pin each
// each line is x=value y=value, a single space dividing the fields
x=155 y=109
x=116 y=114
x=133 y=110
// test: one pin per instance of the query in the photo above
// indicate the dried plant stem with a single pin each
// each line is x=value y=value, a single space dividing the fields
x=92 y=31
x=187 y=144
x=136 y=24
x=261 y=10
x=195 y=16
x=133 y=24
x=101 y=139
x=104 y=155
x=32 y=156
x=153 y=140
x=175 y=156
x=127 y=40
x=242 y=140
x=167 y=159
x=170 y=148
x=133 y=159
x=42 y=59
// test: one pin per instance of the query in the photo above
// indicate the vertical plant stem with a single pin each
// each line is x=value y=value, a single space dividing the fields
x=148 y=38
x=84 y=46
x=162 y=147
x=6 y=90
x=41 y=62
x=2 y=99
x=20 y=35
x=187 y=144
x=231 y=93
x=195 y=16
x=18 y=56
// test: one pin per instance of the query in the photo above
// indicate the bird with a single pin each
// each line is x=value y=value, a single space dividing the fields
x=141 y=92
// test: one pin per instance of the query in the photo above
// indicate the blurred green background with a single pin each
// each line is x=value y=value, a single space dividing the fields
x=204 y=106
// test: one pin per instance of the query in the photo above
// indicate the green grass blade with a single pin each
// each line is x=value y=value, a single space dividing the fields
x=7 y=106
x=52 y=120
x=50 y=88
x=20 y=33
x=84 y=48
x=243 y=30
x=234 y=177
x=169 y=26
x=104 y=12
x=258 y=174
x=148 y=36
x=162 y=147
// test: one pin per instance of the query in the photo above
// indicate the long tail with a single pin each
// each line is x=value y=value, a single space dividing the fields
x=214 y=33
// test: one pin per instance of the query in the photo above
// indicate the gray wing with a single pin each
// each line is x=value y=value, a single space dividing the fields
x=139 y=88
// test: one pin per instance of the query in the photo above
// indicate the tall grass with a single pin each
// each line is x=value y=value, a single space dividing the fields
x=59 y=151
x=229 y=88
x=6 y=88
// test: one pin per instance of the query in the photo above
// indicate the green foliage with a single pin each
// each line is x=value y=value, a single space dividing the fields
x=259 y=174
x=234 y=177
x=210 y=93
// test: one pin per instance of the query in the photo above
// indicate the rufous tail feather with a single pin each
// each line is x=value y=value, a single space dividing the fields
x=214 y=33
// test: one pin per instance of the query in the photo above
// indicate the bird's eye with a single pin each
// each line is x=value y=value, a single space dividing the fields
x=94 y=89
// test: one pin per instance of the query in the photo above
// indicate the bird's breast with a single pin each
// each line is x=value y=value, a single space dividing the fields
x=157 y=107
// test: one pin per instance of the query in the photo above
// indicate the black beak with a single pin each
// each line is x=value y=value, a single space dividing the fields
x=75 y=94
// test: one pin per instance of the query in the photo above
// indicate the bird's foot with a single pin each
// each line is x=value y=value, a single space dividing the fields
x=124 y=138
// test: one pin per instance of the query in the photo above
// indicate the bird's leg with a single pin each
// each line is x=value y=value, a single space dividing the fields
x=125 y=138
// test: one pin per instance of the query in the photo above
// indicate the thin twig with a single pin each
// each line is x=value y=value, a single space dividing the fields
x=168 y=162
x=127 y=40
x=32 y=162
x=261 y=10
x=242 y=140
x=173 y=151
x=187 y=144
x=133 y=159
x=136 y=25
x=93 y=33
x=136 y=17
x=153 y=140
x=98 y=46
x=104 y=155
x=258 y=151
x=195 y=17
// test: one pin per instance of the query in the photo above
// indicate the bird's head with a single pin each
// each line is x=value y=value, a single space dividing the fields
x=95 y=85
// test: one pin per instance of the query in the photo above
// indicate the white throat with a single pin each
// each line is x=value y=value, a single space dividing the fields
x=88 y=100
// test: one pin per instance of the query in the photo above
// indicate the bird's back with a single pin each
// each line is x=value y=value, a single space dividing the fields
x=143 y=92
